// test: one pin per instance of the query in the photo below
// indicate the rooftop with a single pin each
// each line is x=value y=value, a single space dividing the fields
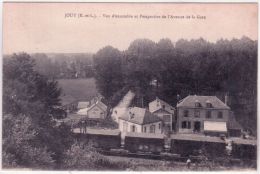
x=139 y=116
x=160 y=104
x=196 y=137
x=93 y=131
x=144 y=135
x=190 y=101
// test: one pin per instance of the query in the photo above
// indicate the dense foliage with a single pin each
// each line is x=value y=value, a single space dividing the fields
x=82 y=157
x=31 y=103
x=168 y=70
x=32 y=138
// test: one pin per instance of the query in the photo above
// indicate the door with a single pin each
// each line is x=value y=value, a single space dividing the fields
x=197 y=126
x=125 y=125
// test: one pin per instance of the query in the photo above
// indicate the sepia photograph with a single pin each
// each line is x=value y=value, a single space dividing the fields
x=129 y=86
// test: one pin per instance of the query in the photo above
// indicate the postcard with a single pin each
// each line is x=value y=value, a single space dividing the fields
x=129 y=86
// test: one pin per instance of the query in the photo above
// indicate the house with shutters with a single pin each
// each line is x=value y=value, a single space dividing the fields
x=203 y=114
x=164 y=111
x=140 y=120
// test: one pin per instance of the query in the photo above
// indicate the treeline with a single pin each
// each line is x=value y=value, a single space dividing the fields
x=172 y=71
x=64 y=65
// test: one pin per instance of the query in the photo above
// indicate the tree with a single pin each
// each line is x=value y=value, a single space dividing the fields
x=186 y=68
x=84 y=157
x=30 y=106
x=107 y=64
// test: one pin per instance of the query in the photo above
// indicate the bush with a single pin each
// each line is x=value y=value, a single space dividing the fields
x=80 y=157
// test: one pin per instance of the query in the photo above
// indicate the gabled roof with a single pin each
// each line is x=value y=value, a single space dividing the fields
x=190 y=101
x=158 y=104
x=139 y=116
x=99 y=104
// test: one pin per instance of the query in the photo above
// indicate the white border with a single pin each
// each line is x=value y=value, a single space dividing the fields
x=124 y=1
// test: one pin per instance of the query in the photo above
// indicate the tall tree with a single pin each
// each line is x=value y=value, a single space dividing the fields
x=30 y=107
x=107 y=64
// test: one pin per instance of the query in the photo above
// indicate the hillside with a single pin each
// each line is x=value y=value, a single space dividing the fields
x=77 y=89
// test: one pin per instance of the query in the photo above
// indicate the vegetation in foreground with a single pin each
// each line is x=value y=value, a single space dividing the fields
x=31 y=137
x=137 y=164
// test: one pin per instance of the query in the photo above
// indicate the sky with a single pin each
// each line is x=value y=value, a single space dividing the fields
x=43 y=27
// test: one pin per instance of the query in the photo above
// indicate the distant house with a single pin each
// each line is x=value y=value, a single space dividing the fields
x=140 y=120
x=83 y=104
x=97 y=110
x=202 y=114
x=165 y=111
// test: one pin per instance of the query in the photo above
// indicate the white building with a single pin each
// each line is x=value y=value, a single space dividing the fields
x=122 y=106
x=140 y=120
x=97 y=110
x=165 y=111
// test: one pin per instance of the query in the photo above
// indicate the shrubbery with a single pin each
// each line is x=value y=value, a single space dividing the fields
x=84 y=157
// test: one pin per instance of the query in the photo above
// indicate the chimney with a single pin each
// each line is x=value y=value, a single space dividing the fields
x=178 y=97
x=226 y=99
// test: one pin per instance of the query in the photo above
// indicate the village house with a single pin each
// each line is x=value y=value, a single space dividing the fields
x=83 y=104
x=95 y=110
x=140 y=120
x=164 y=111
x=203 y=114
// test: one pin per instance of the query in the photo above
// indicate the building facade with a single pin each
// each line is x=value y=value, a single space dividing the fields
x=97 y=110
x=202 y=114
x=164 y=111
x=140 y=120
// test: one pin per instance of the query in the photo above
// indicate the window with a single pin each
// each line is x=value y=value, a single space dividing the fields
x=159 y=125
x=186 y=113
x=220 y=114
x=208 y=114
x=144 y=129
x=152 y=129
x=197 y=104
x=133 y=128
x=163 y=106
x=186 y=125
x=208 y=105
x=189 y=125
x=196 y=113
x=166 y=118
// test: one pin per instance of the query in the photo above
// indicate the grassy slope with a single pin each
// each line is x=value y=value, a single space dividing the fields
x=77 y=89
